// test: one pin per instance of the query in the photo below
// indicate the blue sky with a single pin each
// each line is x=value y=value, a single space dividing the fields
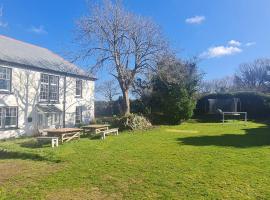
x=224 y=33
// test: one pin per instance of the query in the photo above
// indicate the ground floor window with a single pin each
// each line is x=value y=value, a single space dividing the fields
x=78 y=115
x=8 y=117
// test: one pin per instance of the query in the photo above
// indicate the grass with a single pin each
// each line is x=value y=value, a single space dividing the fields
x=190 y=161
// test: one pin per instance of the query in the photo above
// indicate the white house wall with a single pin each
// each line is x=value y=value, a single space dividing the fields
x=87 y=100
x=25 y=95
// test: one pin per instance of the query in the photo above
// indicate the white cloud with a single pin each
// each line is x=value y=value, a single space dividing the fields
x=2 y=23
x=38 y=30
x=234 y=43
x=250 y=44
x=219 y=51
x=195 y=20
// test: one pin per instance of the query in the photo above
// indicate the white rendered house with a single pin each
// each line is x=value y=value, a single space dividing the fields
x=39 y=89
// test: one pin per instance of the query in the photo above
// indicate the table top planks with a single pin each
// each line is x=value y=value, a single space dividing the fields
x=95 y=126
x=63 y=130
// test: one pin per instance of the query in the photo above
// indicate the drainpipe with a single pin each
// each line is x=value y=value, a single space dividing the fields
x=64 y=102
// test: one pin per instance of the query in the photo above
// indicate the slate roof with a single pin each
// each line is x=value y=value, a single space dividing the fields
x=34 y=57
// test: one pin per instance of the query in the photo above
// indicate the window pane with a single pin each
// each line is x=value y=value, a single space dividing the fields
x=54 y=88
x=78 y=87
x=3 y=73
x=49 y=89
x=78 y=115
x=5 y=78
x=44 y=87
x=44 y=78
x=3 y=84
x=54 y=80
x=11 y=117
x=11 y=121
x=44 y=90
x=13 y=112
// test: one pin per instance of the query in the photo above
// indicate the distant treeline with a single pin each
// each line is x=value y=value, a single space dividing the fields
x=105 y=108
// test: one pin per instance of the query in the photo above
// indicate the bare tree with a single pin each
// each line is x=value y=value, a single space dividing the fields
x=124 y=43
x=253 y=76
x=225 y=84
x=108 y=89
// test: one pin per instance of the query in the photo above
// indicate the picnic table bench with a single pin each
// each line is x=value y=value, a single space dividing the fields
x=109 y=131
x=54 y=140
x=64 y=134
x=96 y=128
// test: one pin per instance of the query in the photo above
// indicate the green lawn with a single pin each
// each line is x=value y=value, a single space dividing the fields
x=190 y=161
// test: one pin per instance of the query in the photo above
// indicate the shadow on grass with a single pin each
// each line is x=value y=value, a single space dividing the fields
x=207 y=118
x=254 y=137
x=33 y=144
x=91 y=136
x=4 y=154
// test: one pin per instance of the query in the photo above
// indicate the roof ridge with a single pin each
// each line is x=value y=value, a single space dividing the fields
x=26 y=43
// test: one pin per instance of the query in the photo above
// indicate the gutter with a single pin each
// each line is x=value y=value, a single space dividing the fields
x=39 y=69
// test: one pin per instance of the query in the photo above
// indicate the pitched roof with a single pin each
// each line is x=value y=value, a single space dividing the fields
x=28 y=55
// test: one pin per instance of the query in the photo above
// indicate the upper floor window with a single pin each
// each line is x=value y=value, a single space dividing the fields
x=49 y=88
x=8 y=117
x=79 y=88
x=5 y=79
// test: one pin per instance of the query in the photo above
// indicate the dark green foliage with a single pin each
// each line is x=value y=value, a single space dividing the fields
x=170 y=103
x=104 y=108
x=109 y=109
x=173 y=89
x=256 y=104
x=138 y=106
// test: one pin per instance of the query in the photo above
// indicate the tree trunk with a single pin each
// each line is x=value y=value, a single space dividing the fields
x=126 y=103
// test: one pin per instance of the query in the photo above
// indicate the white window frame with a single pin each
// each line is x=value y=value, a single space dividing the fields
x=4 y=116
x=54 y=84
x=8 y=78
x=49 y=85
x=46 y=85
x=78 y=115
x=78 y=88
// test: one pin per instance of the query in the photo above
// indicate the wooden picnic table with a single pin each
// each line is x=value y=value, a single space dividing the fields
x=64 y=134
x=96 y=128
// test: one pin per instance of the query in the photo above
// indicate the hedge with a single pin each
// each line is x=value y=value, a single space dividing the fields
x=256 y=104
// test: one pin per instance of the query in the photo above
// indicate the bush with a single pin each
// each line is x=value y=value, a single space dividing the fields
x=132 y=122
x=170 y=103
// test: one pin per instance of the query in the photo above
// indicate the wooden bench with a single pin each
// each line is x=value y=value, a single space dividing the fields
x=95 y=128
x=54 y=140
x=109 y=131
